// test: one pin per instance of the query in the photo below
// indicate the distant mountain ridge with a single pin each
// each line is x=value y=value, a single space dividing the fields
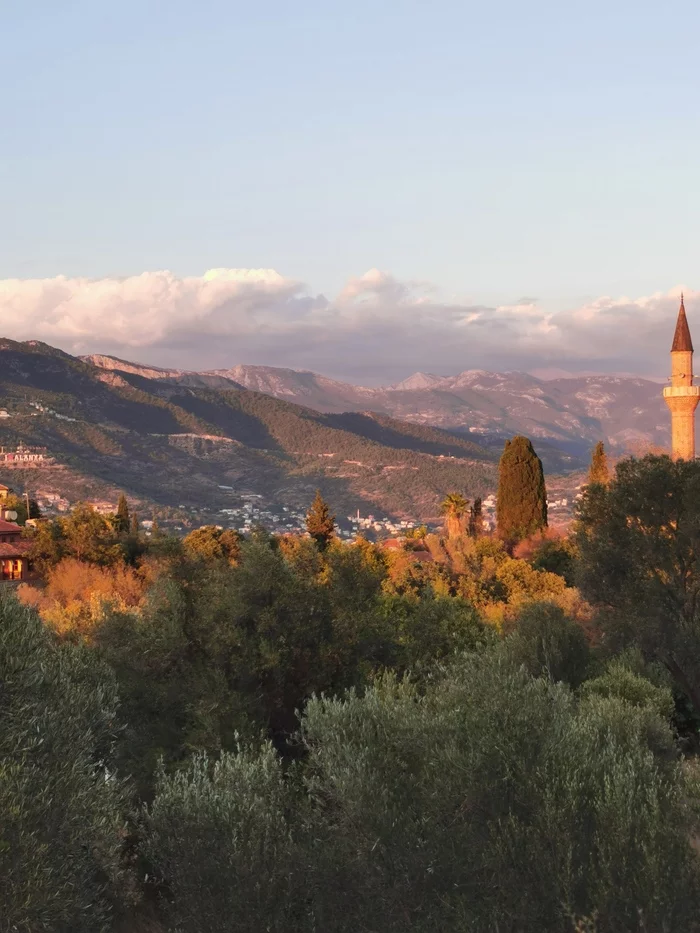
x=626 y=412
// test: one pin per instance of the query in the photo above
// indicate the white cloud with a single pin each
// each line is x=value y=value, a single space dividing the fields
x=377 y=328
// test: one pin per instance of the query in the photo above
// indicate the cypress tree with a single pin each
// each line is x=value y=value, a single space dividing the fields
x=599 y=471
x=475 y=519
x=123 y=519
x=134 y=527
x=320 y=524
x=521 y=507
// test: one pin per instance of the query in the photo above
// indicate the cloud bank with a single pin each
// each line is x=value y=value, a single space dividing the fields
x=376 y=330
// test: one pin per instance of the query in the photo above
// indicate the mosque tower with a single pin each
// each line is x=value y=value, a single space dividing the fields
x=682 y=396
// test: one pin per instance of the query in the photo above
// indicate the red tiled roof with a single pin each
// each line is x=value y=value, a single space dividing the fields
x=7 y=528
x=425 y=557
x=16 y=549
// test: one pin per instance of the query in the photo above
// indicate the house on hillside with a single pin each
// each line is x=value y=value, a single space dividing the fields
x=14 y=549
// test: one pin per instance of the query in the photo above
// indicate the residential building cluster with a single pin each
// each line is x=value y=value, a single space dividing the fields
x=378 y=525
x=45 y=410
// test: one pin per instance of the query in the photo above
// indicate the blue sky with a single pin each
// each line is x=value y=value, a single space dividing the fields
x=499 y=150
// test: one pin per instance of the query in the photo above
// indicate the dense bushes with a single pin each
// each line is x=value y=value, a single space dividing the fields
x=490 y=801
x=62 y=808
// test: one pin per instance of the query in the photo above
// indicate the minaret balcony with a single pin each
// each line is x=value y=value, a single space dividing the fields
x=681 y=391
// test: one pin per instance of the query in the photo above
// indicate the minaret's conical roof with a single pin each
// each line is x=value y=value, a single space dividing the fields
x=681 y=338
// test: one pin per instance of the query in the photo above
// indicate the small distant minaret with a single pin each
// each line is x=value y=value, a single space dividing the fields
x=682 y=396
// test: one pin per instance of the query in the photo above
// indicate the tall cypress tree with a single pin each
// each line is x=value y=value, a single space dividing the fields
x=521 y=507
x=123 y=519
x=599 y=471
x=320 y=524
x=476 y=519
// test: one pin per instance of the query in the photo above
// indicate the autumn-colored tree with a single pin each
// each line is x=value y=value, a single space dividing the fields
x=134 y=527
x=320 y=523
x=213 y=543
x=76 y=594
x=521 y=508
x=454 y=507
x=598 y=471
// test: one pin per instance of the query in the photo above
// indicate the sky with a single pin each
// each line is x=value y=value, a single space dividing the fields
x=362 y=189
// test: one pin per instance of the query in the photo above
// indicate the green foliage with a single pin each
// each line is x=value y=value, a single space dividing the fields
x=49 y=546
x=548 y=643
x=431 y=628
x=599 y=471
x=122 y=519
x=639 y=543
x=218 y=832
x=556 y=555
x=320 y=523
x=90 y=536
x=621 y=682
x=521 y=506
x=475 y=528
x=60 y=802
x=18 y=504
x=491 y=801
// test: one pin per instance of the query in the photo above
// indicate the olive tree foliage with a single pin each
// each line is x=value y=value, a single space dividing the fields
x=549 y=643
x=60 y=822
x=218 y=832
x=490 y=800
x=639 y=562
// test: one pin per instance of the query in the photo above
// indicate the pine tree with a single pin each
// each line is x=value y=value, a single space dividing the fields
x=475 y=519
x=122 y=521
x=521 y=507
x=599 y=471
x=320 y=524
x=454 y=508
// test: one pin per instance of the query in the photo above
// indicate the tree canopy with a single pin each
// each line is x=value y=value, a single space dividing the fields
x=599 y=471
x=521 y=505
x=320 y=522
x=639 y=543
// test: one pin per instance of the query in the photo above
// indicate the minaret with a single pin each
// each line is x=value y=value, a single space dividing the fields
x=682 y=396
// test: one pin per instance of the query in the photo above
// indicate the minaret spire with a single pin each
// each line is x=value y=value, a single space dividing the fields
x=682 y=396
x=681 y=338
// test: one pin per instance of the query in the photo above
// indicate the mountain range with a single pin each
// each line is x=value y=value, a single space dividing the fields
x=574 y=412
x=194 y=442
